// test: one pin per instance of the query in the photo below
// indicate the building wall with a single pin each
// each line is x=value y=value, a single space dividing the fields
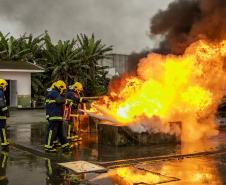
x=117 y=63
x=120 y=62
x=23 y=86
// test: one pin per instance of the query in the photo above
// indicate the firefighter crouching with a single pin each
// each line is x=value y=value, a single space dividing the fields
x=3 y=113
x=54 y=111
x=73 y=100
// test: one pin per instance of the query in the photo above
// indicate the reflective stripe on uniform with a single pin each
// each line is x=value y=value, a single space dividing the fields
x=4 y=136
x=4 y=159
x=69 y=100
x=56 y=118
x=55 y=142
x=2 y=117
x=65 y=145
x=49 y=138
x=69 y=131
x=48 y=147
x=5 y=144
x=49 y=167
x=50 y=101
x=5 y=108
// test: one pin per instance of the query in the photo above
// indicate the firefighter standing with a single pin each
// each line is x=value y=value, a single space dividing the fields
x=54 y=111
x=3 y=113
x=73 y=100
x=47 y=102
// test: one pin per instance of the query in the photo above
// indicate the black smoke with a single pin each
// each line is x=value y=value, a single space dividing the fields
x=133 y=60
x=186 y=21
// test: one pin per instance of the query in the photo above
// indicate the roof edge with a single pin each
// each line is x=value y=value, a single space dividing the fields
x=41 y=68
x=22 y=70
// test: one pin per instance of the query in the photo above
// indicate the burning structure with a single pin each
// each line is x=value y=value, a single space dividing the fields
x=186 y=87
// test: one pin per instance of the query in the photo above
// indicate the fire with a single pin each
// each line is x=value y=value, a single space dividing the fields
x=133 y=176
x=184 y=88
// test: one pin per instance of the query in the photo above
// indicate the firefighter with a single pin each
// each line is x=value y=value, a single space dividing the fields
x=47 y=103
x=73 y=100
x=3 y=113
x=54 y=111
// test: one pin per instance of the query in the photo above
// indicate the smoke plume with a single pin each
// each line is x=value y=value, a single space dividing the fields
x=186 y=21
x=122 y=23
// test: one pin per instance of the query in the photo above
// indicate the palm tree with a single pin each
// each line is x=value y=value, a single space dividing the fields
x=91 y=51
x=12 y=48
x=24 y=48
x=76 y=60
x=59 y=58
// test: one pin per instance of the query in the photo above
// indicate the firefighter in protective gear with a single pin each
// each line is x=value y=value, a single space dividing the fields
x=56 y=142
x=54 y=109
x=73 y=100
x=47 y=100
x=3 y=113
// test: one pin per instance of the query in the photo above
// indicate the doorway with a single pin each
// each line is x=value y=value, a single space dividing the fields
x=7 y=93
x=11 y=93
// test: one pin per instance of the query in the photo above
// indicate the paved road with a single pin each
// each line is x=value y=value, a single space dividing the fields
x=26 y=163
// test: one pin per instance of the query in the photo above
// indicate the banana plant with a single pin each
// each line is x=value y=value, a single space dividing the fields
x=23 y=48
x=61 y=58
x=91 y=51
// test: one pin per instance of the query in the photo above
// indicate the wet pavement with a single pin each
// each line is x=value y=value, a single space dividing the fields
x=27 y=163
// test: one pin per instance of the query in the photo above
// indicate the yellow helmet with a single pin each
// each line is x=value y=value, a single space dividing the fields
x=77 y=86
x=52 y=86
x=60 y=85
x=3 y=84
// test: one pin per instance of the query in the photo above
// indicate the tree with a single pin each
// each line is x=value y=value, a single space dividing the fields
x=24 y=48
x=60 y=58
x=70 y=60
x=93 y=75
x=77 y=60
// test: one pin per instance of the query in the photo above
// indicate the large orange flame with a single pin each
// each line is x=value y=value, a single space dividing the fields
x=186 y=88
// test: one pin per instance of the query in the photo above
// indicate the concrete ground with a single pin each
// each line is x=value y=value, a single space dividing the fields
x=26 y=163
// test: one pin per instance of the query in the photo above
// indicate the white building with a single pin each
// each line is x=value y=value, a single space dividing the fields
x=18 y=76
x=117 y=63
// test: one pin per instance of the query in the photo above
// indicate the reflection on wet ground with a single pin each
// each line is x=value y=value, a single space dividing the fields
x=199 y=170
x=26 y=166
x=33 y=135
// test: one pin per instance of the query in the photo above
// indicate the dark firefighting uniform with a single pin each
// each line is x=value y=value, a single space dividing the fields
x=3 y=164
x=54 y=112
x=3 y=113
x=73 y=100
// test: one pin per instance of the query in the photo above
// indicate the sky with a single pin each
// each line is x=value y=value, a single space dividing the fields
x=121 y=23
